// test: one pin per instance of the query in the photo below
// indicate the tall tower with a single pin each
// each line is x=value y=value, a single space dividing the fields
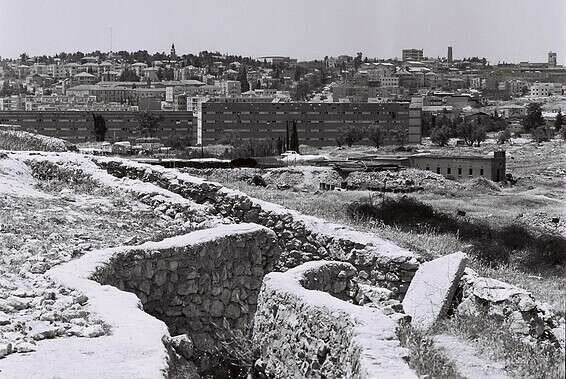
x=173 y=54
x=449 y=55
x=552 y=59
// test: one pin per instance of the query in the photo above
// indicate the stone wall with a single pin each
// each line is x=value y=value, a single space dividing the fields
x=301 y=238
x=305 y=332
x=194 y=285
x=139 y=345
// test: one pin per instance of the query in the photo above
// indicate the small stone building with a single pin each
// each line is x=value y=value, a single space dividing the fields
x=461 y=166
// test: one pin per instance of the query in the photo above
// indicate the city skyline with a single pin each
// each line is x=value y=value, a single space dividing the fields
x=250 y=28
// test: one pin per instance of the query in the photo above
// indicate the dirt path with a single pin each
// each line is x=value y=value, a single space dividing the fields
x=467 y=360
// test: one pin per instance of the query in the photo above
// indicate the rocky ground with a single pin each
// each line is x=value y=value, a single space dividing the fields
x=294 y=178
x=46 y=222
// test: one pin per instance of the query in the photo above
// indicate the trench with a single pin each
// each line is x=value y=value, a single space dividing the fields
x=206 y=290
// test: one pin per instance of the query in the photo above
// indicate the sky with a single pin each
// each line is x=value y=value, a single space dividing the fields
x=500 y=30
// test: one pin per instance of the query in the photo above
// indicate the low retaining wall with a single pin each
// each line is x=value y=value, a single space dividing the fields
x=302 y=238
x=308 y=333
x=197 y=281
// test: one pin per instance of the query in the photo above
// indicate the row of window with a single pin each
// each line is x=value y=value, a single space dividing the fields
x=392 y=114
x=449 y=171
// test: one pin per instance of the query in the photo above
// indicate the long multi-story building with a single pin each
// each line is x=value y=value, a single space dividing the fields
x=78 y=126
x=318 y=124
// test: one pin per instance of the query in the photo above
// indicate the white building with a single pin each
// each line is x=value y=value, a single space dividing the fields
x=138 y=67
x=546 y=89
x=40 y=69
x=389 y=81
x=11 y=103
x=231 y=88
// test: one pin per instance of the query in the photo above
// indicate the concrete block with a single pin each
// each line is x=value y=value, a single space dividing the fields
x=431 y=290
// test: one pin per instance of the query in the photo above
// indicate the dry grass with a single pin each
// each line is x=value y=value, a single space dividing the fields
x=499 y=344
x=424 y=357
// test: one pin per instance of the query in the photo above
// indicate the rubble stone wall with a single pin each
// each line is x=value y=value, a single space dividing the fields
x=195 y=287
x=310 y=333
x=301 y=238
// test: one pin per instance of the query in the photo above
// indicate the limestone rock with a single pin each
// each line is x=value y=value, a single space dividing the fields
x=18 y=302
x=5 y=348
x=494 y=291
x=183 y=346
x=432 y=289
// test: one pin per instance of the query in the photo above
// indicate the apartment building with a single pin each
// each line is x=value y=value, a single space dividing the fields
x=389 y=81
x=11 y=103
x=412 y=55
x=546 y=89
x=78 y=126
x=231 y=88
x=318 y=124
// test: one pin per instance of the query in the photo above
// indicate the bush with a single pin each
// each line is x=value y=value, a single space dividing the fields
x=503 y=136
x=490 y=244
x=541 y=134
x=24 y=141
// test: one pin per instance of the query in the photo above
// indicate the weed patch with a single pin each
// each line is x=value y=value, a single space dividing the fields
x=521 y=359
x=424 y=358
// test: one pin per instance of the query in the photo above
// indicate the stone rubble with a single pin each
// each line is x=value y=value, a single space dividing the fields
x=37 y=234
x=513 y=307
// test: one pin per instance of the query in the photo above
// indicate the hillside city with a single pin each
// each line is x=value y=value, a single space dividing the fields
x=442 y=91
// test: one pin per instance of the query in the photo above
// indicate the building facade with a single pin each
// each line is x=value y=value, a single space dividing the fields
x=318 y=124
x=462 y=167
x=552 y=59
x=412 y=55
x=78 y=126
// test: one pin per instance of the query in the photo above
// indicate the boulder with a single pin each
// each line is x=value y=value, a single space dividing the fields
x=183 y=346
x=430 y=293
x=5 y=348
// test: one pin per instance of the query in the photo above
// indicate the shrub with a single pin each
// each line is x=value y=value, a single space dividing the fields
x=503 y=136
x=490 y=244
x=21 y=140
x=541 y=134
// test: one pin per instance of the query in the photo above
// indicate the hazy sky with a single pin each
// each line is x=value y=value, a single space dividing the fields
x=510 y=30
